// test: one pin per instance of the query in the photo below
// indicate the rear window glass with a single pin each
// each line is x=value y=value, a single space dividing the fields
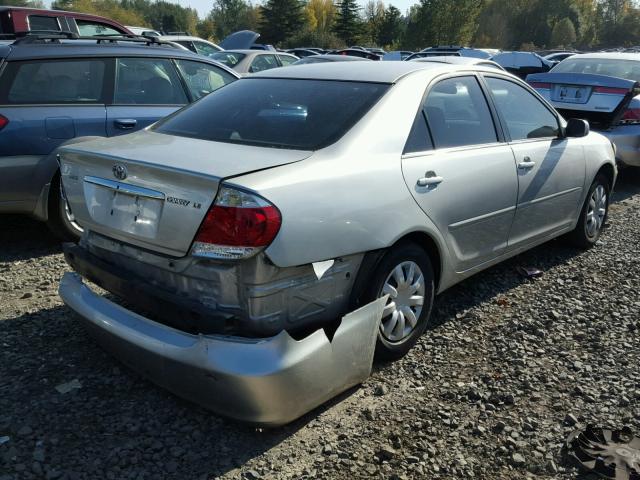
x=629 y=69
x=47 y=82
x=230 y=59
x=40 y=22
x=280 y=113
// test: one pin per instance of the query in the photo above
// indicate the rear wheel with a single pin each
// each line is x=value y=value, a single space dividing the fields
x=60 y=220
x=406 y=275
x=593 y=214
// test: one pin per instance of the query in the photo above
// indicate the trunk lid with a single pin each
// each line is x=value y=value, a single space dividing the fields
x=153 y=190
x=599 y=99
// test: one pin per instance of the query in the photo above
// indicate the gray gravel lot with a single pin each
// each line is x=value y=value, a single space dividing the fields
x=507 y=369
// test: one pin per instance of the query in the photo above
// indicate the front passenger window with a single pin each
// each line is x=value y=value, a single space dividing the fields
x=525 y=116
x=458 y=115
x=148 y=81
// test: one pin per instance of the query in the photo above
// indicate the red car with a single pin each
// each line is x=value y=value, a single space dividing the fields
x=18 y=19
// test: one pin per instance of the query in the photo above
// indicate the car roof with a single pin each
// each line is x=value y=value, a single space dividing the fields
x=89 y=48
x=257 y=52
x=610 y=55
x=380 y=72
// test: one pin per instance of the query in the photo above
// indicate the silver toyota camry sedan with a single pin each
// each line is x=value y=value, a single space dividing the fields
x=288 y=199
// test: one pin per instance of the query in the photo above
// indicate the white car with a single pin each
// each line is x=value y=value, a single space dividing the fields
x=195 y=44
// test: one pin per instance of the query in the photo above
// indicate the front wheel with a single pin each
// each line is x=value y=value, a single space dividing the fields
x=593 y=214
x=404 y=274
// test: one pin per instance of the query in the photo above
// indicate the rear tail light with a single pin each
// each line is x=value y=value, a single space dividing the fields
x=4 y=121
x=238 y=225
x=611 y=90
x=540 y=85
x=631 y=116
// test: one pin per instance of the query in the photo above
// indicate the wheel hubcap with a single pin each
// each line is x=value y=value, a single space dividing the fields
x=405 y=287
x=596 y=211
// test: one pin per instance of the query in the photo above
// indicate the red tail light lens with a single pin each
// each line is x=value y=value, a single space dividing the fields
x=541 y=85
x=238 y=225
x=611 y=91
x=4 y=121
x=631 y=116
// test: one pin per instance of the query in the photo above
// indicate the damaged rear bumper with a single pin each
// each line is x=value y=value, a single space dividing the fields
x=268 y=381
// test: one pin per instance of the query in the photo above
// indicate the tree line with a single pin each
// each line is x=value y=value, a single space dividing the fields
x=504 y=24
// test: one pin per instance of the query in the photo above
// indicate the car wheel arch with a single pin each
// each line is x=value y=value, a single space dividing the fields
x=372 y=259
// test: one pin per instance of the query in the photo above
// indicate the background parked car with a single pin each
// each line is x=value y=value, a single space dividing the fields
x=144 y=31
x=602 y=88
x=449 y=51
x=195 y=44
x=19 y=19
x=329 y=58
x=557 y=57
x=460 y=61
x=397 y=55
x=54 y=92
x=356 y=52
x=522 y=64
x=245 y=62
x=302 y=52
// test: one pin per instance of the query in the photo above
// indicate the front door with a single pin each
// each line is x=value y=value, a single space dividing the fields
x=551 y=169
x=146 y=90
x=460 y=174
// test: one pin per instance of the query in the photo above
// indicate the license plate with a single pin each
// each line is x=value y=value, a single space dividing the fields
x=571 y=94
x=123 y=210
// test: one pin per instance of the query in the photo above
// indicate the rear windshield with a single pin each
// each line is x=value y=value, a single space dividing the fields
x=230 y=59
x=280 y=113
x=628 y=69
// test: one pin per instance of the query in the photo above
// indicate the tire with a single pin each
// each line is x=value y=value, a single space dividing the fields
x=394 y=341
x=60 y=220
x=593 y=214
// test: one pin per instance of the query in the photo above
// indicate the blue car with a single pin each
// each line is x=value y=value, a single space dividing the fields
x=54 y=90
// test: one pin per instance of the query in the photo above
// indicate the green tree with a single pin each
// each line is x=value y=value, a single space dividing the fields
x=348 y=25
x=229 y=16
x=281 y=19
x=391 y=28
x=563 y=33
x=442 y=22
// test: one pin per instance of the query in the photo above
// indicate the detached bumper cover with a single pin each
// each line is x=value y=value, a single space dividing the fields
x=627 y=141
x=269 y=381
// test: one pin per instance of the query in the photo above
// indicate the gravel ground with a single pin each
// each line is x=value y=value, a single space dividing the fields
x=506 y=371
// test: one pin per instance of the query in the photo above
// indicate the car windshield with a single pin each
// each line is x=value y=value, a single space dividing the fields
x=629 y=69
x=281 y=113
x=230 y=59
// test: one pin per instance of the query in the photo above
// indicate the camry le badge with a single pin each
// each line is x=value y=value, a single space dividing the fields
x=119 y=171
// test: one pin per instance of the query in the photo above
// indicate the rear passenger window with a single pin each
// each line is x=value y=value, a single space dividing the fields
x=419 y=139
x=458 y=115
x=41 y=22
x=526 y=116
x=263 y=62
x=48 y=82
x=148 y=81
x=93 y=29
x=202 y=78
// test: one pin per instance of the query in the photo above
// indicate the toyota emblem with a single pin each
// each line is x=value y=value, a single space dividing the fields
x=119 y=171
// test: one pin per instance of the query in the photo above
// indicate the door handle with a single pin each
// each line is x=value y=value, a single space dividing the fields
x=430 y=178
x=125 y=123
x=526 y=163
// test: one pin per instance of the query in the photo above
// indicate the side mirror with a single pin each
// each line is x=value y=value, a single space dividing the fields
x=577 y=128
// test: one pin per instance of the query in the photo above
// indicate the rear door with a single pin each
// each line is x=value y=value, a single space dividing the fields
x=146 y=90
x=551 y=169
x=460 y=172
x=46 y=102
